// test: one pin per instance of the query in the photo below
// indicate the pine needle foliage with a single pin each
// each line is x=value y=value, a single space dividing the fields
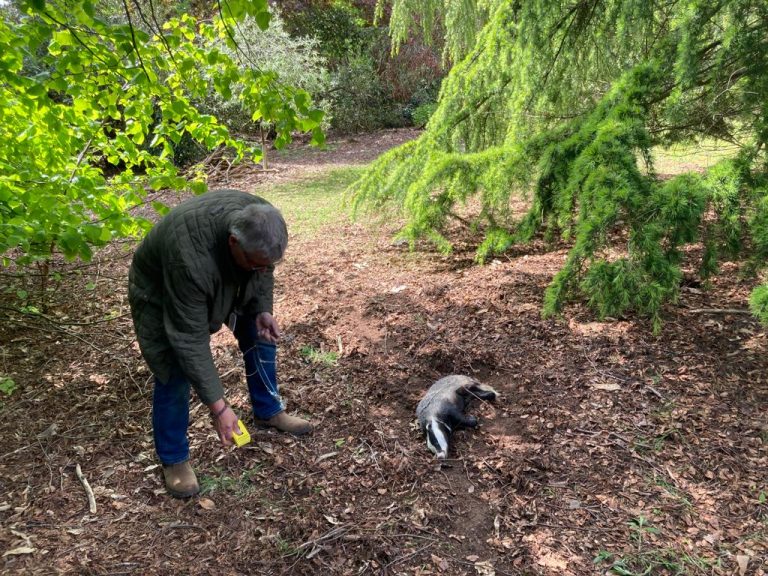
x=562 y=103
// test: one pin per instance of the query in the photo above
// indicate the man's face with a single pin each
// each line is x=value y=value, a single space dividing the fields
x=251 y=262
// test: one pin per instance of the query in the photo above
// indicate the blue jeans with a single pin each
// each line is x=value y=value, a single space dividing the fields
x=170 y=403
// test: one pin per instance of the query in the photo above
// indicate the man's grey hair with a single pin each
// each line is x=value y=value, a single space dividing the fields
x=260 y=229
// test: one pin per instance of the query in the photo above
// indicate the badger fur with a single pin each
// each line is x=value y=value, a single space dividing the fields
x=441 y=411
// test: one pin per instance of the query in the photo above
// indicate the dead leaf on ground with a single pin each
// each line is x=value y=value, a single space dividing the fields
x=743 y=563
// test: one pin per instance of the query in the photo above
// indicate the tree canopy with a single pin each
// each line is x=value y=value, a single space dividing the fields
x=562 y=102
x=93 y=105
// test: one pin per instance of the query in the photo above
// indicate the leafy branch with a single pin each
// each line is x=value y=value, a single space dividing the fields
x=96 y=110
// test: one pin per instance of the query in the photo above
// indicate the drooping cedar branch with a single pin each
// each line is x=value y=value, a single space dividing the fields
x=557 y=100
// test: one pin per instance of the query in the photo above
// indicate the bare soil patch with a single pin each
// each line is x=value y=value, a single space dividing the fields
x=607 y=441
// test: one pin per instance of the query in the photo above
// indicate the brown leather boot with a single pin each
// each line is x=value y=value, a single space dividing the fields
x=180 y=480
x=286 y=423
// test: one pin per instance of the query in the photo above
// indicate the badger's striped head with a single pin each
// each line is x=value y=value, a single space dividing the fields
x=437 y=437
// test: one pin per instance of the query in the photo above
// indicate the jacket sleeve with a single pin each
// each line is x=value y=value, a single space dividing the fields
x=259 y=293
x=185 y=318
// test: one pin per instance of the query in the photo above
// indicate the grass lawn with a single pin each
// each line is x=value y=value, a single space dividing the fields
x=314 y=202
x=680 y=158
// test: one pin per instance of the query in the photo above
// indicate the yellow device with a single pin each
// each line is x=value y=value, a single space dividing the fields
x=243 y=438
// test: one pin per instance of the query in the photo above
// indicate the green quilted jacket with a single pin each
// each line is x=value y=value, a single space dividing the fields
x=183 y=285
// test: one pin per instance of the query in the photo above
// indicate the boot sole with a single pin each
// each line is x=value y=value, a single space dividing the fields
x=264 y=426
x=185 y=494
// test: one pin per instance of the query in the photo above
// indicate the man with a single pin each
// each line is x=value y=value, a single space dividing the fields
x=210 y=260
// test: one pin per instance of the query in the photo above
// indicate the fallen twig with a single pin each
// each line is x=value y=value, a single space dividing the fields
x=407 y=556
x=316 y=544
x=4 y=456
x=88 y=491
x=654 y=391
x=333 y=534
x=179 y=526
x=719 y=311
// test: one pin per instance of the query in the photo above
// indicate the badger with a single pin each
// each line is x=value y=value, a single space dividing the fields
x=441 y=411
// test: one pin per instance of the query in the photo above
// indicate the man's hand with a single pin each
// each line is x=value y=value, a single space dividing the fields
x=267 y=328
x=225 y=423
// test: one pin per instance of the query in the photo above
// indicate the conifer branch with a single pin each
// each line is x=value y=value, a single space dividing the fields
x=553 y=102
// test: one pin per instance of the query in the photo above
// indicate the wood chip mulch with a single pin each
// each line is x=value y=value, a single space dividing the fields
x=610 y=451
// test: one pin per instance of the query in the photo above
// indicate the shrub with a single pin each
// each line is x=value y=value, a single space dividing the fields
x=359 y=100
x=371 y=88
x=295 y=61
x=338 y=27
x=421 y=115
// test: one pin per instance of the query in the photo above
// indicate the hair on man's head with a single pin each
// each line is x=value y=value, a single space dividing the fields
x=260 y=229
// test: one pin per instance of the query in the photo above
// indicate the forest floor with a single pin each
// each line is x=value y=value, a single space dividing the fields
x=610 y=450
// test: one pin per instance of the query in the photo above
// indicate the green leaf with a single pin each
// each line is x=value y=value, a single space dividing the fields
x=160 y=208
x=258 y=6
x=318 y=137
x=187 y=64
x=262 y=19
x=621 y=570
x=602 y=556
x=7 y=385
x=234 y=8
x=198 y=187
x=301 y=99
x=38 y=5
x=63 y=38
